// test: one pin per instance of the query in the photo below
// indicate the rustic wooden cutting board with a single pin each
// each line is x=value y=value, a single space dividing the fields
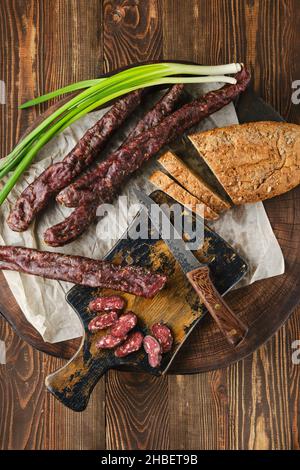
x=264 y=306
x=177 y=305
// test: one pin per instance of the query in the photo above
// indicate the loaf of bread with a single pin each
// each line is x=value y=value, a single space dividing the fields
x=253 y=161
x=193 y=183
x=173 y=189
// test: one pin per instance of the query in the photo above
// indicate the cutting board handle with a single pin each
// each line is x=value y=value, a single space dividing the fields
x=73 y=384
x=230 y=325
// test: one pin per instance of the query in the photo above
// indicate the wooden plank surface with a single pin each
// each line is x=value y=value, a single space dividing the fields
x=44 y=44
x=251 y=405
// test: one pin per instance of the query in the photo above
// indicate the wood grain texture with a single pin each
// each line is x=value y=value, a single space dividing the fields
x=245 y=406
x=199 y=416
x=43 y=45
x=293 y=341
x=132 y=32
x=262 y=33
x=137 y=411
x=28 y=415
x=259 y=397
x=252 y=404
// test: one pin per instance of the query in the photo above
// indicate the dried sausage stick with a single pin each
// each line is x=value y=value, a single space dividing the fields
x=59 y=175
x=77 y=222
x=152 y=118
x=80 y=270
x=71 y=227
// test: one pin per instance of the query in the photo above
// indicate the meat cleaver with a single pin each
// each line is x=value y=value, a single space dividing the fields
x=198 y=275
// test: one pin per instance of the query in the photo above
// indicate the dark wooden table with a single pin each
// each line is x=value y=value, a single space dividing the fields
x=253 y=404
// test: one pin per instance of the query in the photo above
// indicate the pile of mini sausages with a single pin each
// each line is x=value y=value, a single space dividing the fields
x=121 y=337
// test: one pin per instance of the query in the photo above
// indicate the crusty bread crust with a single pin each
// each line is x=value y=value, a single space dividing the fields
x=253 y=161
x=170 y=187
x=193 y=183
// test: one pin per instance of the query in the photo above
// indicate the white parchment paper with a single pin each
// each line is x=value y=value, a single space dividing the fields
x=246 y=228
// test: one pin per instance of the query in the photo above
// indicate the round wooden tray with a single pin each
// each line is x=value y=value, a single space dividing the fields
x=264 y=306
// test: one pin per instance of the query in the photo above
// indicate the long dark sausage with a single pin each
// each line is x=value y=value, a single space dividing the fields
x=59 y=175
x=162 y=108
x=74 y=225
x=71 y=227
x=80 y=270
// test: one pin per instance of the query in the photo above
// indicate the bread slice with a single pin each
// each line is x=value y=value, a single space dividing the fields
x=253 y=161
x=170 y=187
x=193 y=183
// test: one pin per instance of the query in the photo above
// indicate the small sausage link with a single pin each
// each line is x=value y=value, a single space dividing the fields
x=103 y=321
x=133 y=343
x=112 y=302
x=109 y=341
x=164 y=336
x=126 y=322
x=153 y=349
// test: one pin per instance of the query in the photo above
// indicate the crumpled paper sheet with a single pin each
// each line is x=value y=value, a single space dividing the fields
x=246 y=228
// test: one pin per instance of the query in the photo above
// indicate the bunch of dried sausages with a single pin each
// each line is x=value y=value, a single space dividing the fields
x=97 y=185
x=80 y=219
x=158 y=128
x=101 y=184
x=59 y=175
x=121 y=337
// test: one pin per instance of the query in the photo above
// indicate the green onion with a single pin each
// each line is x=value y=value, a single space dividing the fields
x=61 y=91
x=77 y=99
x=201 y=70
x=96 y=93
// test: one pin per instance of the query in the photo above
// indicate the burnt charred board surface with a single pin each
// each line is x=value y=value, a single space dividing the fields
x=177 y=305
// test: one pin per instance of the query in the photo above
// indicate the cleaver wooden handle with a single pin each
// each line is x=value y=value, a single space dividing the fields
x=232 y=327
